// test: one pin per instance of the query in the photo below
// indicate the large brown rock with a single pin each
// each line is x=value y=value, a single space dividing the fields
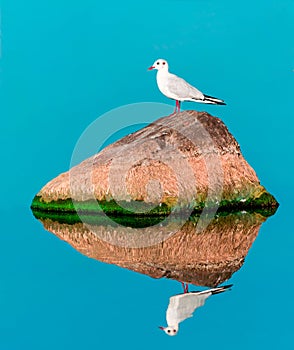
x=185 y=159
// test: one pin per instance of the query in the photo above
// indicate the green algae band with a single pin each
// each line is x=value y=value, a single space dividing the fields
x=185 y=161
x=266 y=203
x=92 y=206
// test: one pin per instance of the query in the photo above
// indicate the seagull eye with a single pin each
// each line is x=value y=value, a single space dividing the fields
x=157 y=63
x=174 y=331
x=163 y=63
x=168 y=331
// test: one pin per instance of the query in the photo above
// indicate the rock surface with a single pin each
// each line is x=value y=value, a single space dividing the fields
x=188 y=159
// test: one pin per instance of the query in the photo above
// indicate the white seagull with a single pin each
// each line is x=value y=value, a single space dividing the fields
x=177 y=88
x=183 y=305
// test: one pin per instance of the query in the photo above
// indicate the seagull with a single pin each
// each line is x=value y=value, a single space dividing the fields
x=182 y=306
x=177 y=88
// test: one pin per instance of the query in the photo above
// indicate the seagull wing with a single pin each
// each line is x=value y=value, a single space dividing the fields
x=180 y=89
x=182 y=306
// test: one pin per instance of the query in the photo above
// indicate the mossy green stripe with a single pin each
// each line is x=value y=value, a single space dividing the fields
x=266 y=202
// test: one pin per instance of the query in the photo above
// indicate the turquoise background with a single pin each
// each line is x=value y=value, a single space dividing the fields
x=63 y=64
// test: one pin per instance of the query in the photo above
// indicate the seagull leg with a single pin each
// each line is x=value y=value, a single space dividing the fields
x=175 y=110
x=185 y=287
x=177 y=106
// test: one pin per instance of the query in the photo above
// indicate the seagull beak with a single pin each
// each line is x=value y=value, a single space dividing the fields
x=150 y=68
x=162 y=328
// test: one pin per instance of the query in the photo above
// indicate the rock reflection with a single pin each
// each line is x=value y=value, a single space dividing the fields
x=207 y=258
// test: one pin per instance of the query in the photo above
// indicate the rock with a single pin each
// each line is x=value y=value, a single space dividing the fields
x=207 y=258
x=187 y=160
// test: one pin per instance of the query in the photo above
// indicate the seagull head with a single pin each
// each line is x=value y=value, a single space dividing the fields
x=170 y=330
x=159 y=64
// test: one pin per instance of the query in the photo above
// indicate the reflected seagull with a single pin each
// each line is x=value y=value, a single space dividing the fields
x=182 y=306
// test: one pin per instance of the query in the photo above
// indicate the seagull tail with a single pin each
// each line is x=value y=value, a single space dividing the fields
x=221 y=289
x=213 y=100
